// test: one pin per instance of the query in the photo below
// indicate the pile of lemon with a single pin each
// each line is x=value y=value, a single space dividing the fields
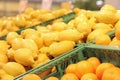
x=29 y=18
x=22 y=52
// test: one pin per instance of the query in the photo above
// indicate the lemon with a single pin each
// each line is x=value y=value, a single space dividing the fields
x=108 y=7
x=2 y=72
x=60 y=12
x=10 y=54
x=82 y=18
x=106 y=17
x=3 y=58
x=20 y=20
x=43 y=29
x=11 y=35
x=31 y=77
x=95 y=33
x=117 y=25
x=3 y=47
x=102 y=26
x=42 y=58
x=28 y=32
x=58 y=48
x=24 y=56
x=37 y=39
x=17 y=43
x=70 y=34
x=71 y=24
x=13 y=68
x=92 y=21
x=28 y=10
x=50 y=37
x=7 y=77
x=84 y=28
x=30 y=44
x=3 y=32
x=47 y=16
x=1 y=65
x=44 y=50
x=59 y=26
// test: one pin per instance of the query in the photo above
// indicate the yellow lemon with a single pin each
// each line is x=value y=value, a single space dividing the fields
x=24 y=56
x=20 y=20
x=13 y=68
x=3 y=47
x=31 y=77
x=117 y=25
x=2 y=72
x=38 y=40
x=84 y=28
x=60 y=12
x=28 y=32
x=34 y=35
x=49 y=38
x=106 y=17
x=59 y=26
x=11 y=35
x=96 y=33
x=82 y=18
x=3 y=58
x=30 y=44
x=70 y=34
x=17 y=43
x=102 y=26
x=47 y=16
x=58 y=48
x=44 y=50
x=1 y=65
x=43 y=29
x=108 y=7
x=71 y=24
x=28 y=10
x=7 y=77
x=92 y=21
x=42 y=58
x=10 y=54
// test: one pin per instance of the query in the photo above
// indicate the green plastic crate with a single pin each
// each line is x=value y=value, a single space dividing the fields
x=104 y=53
x=81 y=52
x=60 y=62
x=66 y=19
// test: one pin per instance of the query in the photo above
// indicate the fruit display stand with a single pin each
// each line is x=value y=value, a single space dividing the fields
x=66 y=18
x=81 y=27
x=81 y=52
x=60 y=63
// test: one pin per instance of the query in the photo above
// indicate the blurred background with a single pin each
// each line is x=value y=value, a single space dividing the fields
x=12 y=7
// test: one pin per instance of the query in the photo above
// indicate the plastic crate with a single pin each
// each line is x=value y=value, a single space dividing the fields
x=82 y=52
x=104 y=53
x=60 y=63
x=66 y=18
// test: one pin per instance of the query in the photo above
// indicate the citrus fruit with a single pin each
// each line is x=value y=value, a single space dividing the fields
x=94 y=61
x=13 y=68
x=69 y=76
x=83 y=67
x=52 y=78
x=24 y=56
x=103 y=39
x=31 y=77
x=101 y=68
x=89 y=76
x=71 y=68
x=112 y=73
